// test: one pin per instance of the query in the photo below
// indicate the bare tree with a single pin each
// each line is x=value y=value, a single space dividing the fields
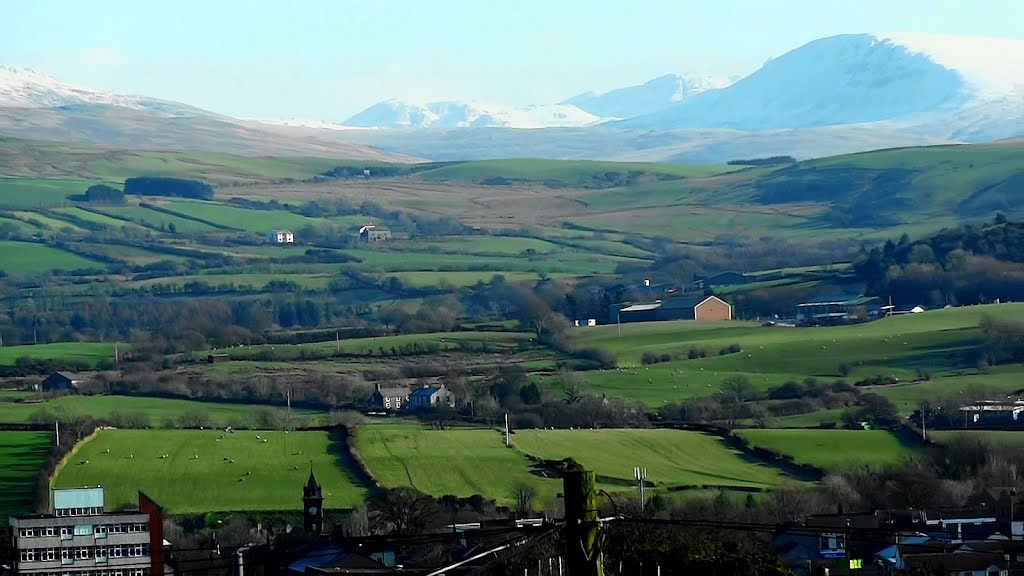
x=524 y=495
x=403 y=510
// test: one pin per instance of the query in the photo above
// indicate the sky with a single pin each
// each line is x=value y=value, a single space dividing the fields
x=329 y=59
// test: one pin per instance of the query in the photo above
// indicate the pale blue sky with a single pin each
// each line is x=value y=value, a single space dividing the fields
x=329 y=59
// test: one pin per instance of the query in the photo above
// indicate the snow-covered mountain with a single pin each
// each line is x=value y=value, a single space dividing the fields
x=397 y=113
x=26 y=88
x=857 y=78
x=646 y=98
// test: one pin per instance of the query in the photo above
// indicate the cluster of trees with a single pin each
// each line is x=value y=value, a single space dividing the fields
x=163 y=186
x=767 y=161
x=104 y=194
x=966 y=265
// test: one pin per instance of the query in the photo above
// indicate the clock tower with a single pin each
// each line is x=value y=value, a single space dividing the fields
x=313 y=506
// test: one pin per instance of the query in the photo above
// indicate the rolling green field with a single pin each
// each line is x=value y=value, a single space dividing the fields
x=833 y=449
x=29 y=259
x=462 y=462
x=262 y=221
x=156 y=409
x=36 y=192
x=445 y=340
x=672 y=457
x=277 y=469
x=22 y=455
x=89 y=352
x=156 y=219
x=939 y=340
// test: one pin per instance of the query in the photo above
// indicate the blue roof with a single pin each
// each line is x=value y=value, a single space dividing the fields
x=78 y=498
x=425 y=391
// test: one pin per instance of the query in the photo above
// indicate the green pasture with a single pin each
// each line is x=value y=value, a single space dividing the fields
x=156 y=219
x=941 y=341
x=833 y=449
x=461 y=461
x=22 y=455
x=261 y=221
x=673 y=458
x=212 y=470
x=38 y=192
x=1007 y=438
x=156 y=409
x=89 y=352
x=445 y=340
x=565 y=173
x=43 y=219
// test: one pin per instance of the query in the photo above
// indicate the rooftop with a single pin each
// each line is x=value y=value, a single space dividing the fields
x=840 y=299
x=88 y=497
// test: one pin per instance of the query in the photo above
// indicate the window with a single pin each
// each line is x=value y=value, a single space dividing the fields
x=117 y=551
x=48 y=555
x=26 y=533
x=101 y=553
x=83 y=553
x=83 y=529
x=67 y=532
x=28 y=555
x=48 y=531
x=101 y=530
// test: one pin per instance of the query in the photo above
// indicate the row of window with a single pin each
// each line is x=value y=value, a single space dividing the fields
x=95 y=511
x=133 y=572
x=100 y=530
x=71 y=554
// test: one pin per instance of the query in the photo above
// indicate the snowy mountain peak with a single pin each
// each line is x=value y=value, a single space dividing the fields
x=648 y=97
x=857 y=78
x=26 y=88
x=396 y=113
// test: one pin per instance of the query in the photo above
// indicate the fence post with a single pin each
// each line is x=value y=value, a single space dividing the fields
x=582 y=531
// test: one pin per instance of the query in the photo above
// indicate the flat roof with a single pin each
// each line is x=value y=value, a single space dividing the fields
x=64 y=498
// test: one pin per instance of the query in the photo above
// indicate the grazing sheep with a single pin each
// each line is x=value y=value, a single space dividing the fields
x=231 y=461
x=107 y=451
x=131 y=455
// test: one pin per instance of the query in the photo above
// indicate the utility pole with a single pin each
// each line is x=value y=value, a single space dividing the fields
x=618 y=321
x=640 y=475
x=582 y=530
x=508 y=443
x=924 y=430
x=56 y=431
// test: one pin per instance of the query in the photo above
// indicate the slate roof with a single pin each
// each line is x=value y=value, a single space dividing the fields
x=426 y=391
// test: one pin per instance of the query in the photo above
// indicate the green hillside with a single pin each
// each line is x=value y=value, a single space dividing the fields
x=566 y=173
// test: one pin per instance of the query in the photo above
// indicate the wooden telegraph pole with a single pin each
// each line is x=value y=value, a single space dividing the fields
x=582 y=531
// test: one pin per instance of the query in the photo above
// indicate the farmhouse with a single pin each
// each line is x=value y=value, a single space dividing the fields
x=81 y=536
x=679 y=308
x=1000 y=413
x=280 y=237
x=63 y=381
x=430 y=397
x=837 y=309
x=371 y=233
x=388 y=398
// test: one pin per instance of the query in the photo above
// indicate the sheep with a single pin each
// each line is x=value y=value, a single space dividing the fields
x=131 y=455
x=107 y=451
x=231 y=461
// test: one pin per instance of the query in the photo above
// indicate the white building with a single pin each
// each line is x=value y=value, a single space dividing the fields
x=80 y=538
x=281 y=237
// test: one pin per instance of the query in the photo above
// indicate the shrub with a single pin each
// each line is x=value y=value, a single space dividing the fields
x=845 y=368
x=730 y=349
x=695 y=353
x=600 y=356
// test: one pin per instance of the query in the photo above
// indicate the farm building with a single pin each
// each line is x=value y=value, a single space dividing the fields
x=838 y=309
x=280 y=237
x=680 y=308
x=371 y=233
x=63 y=381
x=430 y=397
x=388 y=398
x=720 y=279
x=80 y=533
x=1000 y=413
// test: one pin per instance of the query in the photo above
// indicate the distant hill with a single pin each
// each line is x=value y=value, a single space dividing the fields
x=646 y=98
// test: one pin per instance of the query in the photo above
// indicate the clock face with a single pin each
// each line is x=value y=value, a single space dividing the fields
x=312 y=510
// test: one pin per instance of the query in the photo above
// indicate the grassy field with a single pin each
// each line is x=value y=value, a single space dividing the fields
x=22 y=455
x=672 y=457
x=38 y=192
x=156 y=409
x=833 y=449
x=462 y=462
x=939 y=340
x=446 y=340
x=89 y=352
x=264 y=475
x=155 y=219
x=29 y=259
x=242 y=218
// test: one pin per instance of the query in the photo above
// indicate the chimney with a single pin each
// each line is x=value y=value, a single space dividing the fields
x=425 y=385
